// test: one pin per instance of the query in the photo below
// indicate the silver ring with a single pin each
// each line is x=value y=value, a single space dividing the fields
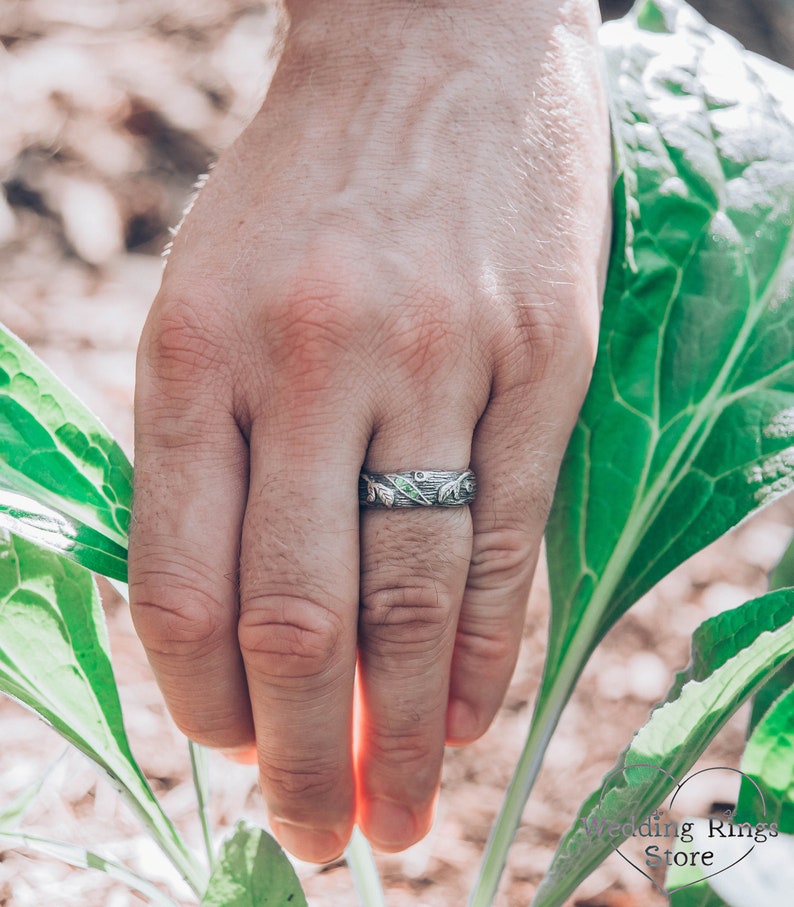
x=417 y=488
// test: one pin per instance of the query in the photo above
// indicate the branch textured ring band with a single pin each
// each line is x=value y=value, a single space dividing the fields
x=417 y=488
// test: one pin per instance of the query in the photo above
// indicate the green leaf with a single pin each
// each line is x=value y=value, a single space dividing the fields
x=253 y=871
x=732 y=655
x=764 y=699
x=54 y=658
x=781 y=577
x=701 y=894
x=87 y=859
x=769 y=760
x=64 y=482
x=764 y=876
x=688 y=426
x=783 y=574
x=691 y=889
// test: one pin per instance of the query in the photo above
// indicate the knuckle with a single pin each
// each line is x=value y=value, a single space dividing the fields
x=179 y=343
x=505 y=557
x=411 y=752
x=335 y=300
x=319 y=319
x=175 y=620
x=488 y=645
x=411 y=619
x=207 y=728
x=558 y=340
x=305 y=781
x=318 y=316
x=425 y=337
x=287 y=638
x=326 y=290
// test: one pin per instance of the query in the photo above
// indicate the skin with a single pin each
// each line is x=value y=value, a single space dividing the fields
x=397 y=265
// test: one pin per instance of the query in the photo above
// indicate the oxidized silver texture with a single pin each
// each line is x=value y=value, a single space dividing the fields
x=417 y=488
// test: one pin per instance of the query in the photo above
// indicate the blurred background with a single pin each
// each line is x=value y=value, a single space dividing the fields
x=109 y=111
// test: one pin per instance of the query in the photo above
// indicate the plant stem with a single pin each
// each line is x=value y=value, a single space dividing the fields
x=87 y=859
x=166 y=837
x=559 y=679
x=198 y=767
x=135 y=791
x=364 y=871
x=551 y=700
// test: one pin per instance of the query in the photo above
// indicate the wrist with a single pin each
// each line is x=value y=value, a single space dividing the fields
x=371 y=30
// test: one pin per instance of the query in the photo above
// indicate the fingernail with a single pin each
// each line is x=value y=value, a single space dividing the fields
x=245 y=755
x=391 y=826
x=306 y=843
x=462 y=723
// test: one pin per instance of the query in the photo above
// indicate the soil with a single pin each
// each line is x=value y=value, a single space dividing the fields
x=114 y=108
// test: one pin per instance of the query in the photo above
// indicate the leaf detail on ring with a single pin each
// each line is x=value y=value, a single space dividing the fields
x=371 y=493
x=446 y=491
x=407 y=487
x=453 y=489
x=385 y=495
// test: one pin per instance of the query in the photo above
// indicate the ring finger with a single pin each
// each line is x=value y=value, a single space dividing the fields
x=414 y=564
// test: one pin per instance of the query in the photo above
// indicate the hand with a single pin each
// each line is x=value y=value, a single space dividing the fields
x=396 y=266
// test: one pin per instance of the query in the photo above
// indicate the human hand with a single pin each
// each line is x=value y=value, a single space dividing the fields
x=396 y=266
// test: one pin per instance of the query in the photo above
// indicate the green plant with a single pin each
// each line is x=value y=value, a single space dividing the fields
x=687 y=430
x=768 y=769
x=687 y=427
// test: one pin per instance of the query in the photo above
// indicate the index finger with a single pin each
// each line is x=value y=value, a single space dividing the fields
x=191 y=477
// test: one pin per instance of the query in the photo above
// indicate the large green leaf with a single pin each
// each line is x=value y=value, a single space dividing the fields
x=688 y=426
x=253 y=871
x=762 y=876
x=64 y=482
x=732 y=655
x=769 y=760
x=781 y=577
x=691 y=888
x=783 y=573
x=769 y=693
x=54 y=658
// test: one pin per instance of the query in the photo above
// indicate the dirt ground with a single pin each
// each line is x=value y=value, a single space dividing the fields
x=113 y=108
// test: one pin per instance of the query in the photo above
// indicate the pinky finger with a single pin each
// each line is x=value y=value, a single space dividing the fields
x=516 y=472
